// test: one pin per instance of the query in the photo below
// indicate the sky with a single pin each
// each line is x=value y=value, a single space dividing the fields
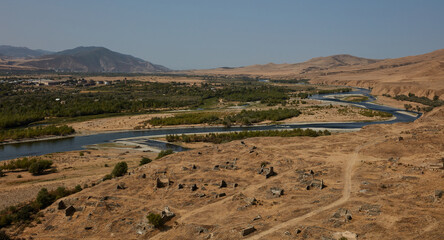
x=192 y=34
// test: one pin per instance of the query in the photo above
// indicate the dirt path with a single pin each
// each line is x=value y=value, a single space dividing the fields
x=346 y=192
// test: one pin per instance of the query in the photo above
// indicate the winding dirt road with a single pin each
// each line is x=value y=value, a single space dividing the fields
x=346 y=192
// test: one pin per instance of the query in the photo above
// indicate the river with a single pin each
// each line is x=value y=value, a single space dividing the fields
x=11 y=151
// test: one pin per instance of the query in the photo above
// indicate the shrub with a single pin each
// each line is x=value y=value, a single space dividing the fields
x=39 y=167
x=144 y=161
x=5 y=220
x=19 y=176
x=120 y=169
x=78 y=188
x=155 y=219
x=1 y=173
x=4 y=236
x=163 y=153
x=44 y=198
x=60 y=192
x=107 y=177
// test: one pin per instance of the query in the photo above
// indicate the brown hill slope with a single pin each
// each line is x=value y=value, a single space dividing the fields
x=422 y=75
x=312 y=65
x=377 y=185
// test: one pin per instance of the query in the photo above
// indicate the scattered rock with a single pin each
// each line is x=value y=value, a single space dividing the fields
x=235 y=185
x=167 y=214
x=121 y=185
x=287 y=233
x=200 y=230
x=438 y=193
x=277 y=192
x=88 y=228
x=201 y=195
x=219 y=195
x=216 y=168
x=184 y=168
x=298 y=231
x=193 y=167
x=250 y=201
x=257 y=217
x=70 y=211
x=142 y=176
x=342 y=213
x=248 y=230
x=179 y=186
x=370 y=209
x=222 y=184
x=61 y=205
x=193 y=187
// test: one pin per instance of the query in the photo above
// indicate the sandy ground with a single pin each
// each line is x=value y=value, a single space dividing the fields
x=72 y=169
x=379 y=182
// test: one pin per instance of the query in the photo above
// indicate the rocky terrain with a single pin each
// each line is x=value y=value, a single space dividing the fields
x=383 y=182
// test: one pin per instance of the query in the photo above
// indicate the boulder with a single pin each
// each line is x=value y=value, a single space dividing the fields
x=222 y=184
x=70 y=211
x=277 y=192
x=248 y=230
x=167 y=214
x=438 y=193
x=61 y=205
x=159 y=184
x=121 y=186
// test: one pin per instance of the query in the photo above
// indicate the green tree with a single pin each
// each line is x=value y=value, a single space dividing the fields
x=39 y=167
x=44 y=198
x=155 y=219
x=120 y=169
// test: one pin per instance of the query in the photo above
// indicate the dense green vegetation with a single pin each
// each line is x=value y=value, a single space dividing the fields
x=33 y=165
x=294 y=81
x=337 y=90
x=163 y=153
x=187 y=118
x=227 y=137
x=373 y=113
x=248 y=117
x=27 y=212
x=32 y=132
x=432 y=103
x=245 y=117
x=23 y=105
x=356 y=98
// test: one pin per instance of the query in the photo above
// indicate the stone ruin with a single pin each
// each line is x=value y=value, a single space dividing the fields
x=267 y=172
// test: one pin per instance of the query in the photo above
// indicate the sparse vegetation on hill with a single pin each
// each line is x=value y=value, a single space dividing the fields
x=24 y=214
x=373 y=113
x=227 y=137
x=34 y=165
x=163 y=153
x=432 y=103
x=144 y=161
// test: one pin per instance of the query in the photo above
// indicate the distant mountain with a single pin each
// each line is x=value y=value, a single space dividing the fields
x=21 y=52
x=93 y=59
x=312 y=65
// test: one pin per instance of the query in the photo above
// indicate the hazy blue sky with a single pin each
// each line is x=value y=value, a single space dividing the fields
x=186 y=34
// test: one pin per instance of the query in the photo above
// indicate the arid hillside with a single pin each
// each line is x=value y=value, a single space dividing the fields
x=383 y=182
x=421 y=74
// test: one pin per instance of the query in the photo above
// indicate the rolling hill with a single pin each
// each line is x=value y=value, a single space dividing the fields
x=20 y=52
x=93 y=59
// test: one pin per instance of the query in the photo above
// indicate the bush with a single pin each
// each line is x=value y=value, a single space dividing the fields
x=39 y=167
x=120 y=169
x=5 y=220
x=107 y=177
x=155 y=219
x=78 y=188
x=44 y=198
x=4 y=236
x=144 y=161
x=163 y=153
x=1 y=173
